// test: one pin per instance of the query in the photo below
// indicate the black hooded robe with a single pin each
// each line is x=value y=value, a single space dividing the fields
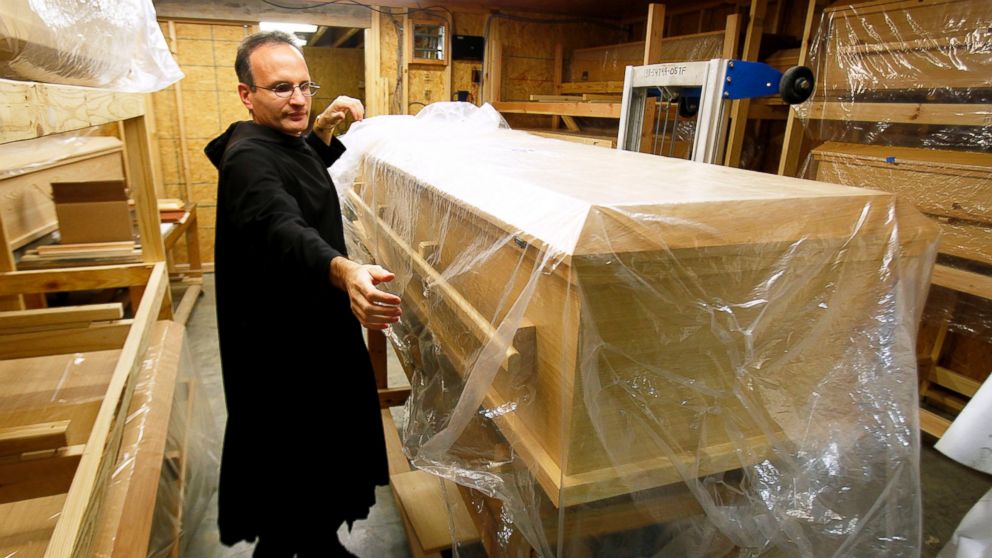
x=304 y=446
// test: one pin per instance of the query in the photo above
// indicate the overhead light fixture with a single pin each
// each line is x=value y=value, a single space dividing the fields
x=287 y=27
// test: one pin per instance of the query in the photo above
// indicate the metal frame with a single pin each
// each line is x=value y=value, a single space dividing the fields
x=715 y=82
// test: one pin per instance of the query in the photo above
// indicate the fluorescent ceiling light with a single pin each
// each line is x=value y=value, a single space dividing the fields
x=287 y=27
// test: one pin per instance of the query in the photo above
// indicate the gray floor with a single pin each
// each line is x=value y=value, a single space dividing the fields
x=949 y=489
x=380 y=536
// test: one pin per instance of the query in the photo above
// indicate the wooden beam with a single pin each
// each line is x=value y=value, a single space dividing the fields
x=904 y=113
x=141 y=185
x=186 y=304
x=653 y=33
x=377 y=353
x=393 y=397
x=39 y=475
x=71 y=534
x=731 y=36
x=570 y=123
x=331 y=15
x=98 y=337
x=430 y=503
x=344 y=37
x=45 y=317
x=30 y=110
x=962 y=281
x=73 y=279
x=16 y=440
x=933 y=424
x=788 y=163
x=600 y=110
x=953 y=381
x=591 y=87
x=740 y=108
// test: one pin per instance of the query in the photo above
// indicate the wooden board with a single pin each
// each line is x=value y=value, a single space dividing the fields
x=425 y=503
x=578 y=137
x=953 y=186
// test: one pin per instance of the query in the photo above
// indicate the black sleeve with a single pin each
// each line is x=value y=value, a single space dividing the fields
x=328 y=153
x=262 y=210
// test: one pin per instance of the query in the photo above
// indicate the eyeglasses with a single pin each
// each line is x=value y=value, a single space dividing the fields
x=285 y=90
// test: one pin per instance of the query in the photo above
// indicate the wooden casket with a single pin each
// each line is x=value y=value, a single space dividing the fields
x=635 y=321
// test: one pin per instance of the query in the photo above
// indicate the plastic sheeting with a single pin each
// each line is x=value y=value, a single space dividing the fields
x=901 y=105
x=617 y=354
x=181 y=450
x=111 y=44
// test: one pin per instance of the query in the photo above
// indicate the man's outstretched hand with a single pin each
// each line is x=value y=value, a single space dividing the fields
x=375 y=309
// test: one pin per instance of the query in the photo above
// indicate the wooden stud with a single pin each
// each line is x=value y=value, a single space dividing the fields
x=47 y=317
x=788 y=164
x=740 y=108
x=653 y=33
x=74 y=279
x=933 y=424
x=181 y=124
x=136 y=146
x=35 y=476
x=600 y=110
x=16 y=440
x=962 y=281
x=98 y=337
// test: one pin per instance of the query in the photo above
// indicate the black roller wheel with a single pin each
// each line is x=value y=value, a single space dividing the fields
x=796 y=85
x=688 y=106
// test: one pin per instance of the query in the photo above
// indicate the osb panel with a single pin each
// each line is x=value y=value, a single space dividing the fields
x=169 y=152
x=461 y=78
x=605 y=64
x=230 y=32
x=224 y=53
x=165 y=113
x=339 y=71
x=201 y=170
x=205 y=193
x=469 y=24
x=231 y=110
x=528 y=51
x=226 y=80
x=194 y=52
x=427 y=85
x=192 y=31
x=201 y=116
x=199 y=79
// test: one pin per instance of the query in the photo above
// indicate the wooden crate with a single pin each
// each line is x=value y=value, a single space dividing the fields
x=954 y=187
x=898 y=44
x=628 y=338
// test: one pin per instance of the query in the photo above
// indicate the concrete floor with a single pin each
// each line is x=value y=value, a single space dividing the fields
x=949 y=489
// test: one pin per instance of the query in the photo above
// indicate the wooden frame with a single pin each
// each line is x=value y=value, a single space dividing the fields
x=72 y=534
x=30 y=110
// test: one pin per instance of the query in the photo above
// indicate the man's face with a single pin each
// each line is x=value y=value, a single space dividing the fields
x=272 y=64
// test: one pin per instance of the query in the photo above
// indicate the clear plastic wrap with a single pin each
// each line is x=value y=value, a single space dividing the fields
x=168 y=453
x=616 y=354
x=901 y=105
x=111 y=44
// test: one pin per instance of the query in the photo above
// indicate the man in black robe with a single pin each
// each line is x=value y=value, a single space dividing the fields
x=304 y=446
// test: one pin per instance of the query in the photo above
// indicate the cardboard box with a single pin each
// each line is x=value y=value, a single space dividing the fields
x=92 y=211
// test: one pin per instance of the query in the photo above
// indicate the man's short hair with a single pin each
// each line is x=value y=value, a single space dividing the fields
x=242 y=62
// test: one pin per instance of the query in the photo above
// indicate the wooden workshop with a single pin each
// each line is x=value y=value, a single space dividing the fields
x=495 y=278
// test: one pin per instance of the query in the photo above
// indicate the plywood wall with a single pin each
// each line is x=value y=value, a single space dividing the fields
x=339 y=71
x=209 y=103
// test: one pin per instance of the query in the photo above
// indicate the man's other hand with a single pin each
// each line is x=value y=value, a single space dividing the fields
x=375 y=309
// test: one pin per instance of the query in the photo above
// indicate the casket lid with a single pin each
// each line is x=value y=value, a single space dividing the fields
x=580 y=199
